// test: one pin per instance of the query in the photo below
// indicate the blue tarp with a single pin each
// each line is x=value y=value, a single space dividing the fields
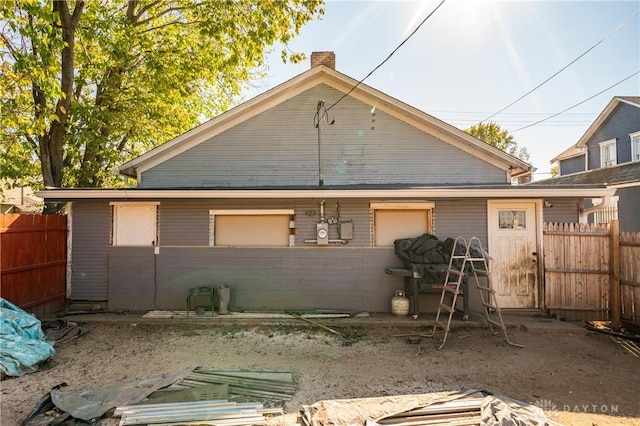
x=22 y=341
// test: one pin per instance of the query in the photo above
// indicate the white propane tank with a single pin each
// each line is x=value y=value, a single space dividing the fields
x=400 y=304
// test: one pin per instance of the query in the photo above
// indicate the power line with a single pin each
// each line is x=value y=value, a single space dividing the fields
x=388 y=57
x=579 y=103
x=562 y=69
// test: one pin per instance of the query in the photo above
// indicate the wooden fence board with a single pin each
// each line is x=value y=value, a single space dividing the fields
x=33 y=252
x=630 y=277
x=576 y=270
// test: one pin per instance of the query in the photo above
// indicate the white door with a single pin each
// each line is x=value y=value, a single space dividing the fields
x=512 y=246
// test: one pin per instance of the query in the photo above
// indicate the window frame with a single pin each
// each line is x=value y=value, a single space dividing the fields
x=428 y=206
x=604 y=147
x=251 y=212
x=635 y=147
x=115 y=220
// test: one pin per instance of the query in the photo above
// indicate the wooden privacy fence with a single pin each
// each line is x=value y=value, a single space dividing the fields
x=33 y=257
x=630 y=277
x=582 y=263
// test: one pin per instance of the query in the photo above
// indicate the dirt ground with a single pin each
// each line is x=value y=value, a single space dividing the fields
x=587 y=377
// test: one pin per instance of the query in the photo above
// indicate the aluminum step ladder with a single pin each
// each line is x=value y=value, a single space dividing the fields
x=453 y=280
x=479 y=267
x=463 y=259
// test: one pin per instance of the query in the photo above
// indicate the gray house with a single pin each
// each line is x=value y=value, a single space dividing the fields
x=294 y=200
x=608 y=154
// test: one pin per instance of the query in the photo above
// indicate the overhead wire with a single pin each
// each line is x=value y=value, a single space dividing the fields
x=388 y=57
x=578 y=104
x=562 y=69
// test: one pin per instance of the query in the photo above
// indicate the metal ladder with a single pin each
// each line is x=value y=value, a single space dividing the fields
x=479 y=268
x=451 y=285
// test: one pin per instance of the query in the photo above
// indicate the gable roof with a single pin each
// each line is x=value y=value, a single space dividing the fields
x=570 y=152
x=345 y=84
x=622 y=175
x=604 y=115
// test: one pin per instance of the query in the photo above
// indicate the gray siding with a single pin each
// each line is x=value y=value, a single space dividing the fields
x=186 y=222
x=279 y=147
x=572 y=165
x=562 y=211
x=90 y=250
x=283 y=278
x=343 y=277
x=623 y=120
x=629 y=209
x=461 y=218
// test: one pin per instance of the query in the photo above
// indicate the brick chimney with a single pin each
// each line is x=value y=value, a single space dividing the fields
x=328 y=59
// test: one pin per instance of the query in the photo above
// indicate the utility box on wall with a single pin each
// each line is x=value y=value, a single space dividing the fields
x=346 y=230
x=322 y=234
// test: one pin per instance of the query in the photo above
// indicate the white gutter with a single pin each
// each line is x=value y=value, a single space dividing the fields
x=440 y=192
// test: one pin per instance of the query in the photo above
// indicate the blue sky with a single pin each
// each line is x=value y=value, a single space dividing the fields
x=474 y=57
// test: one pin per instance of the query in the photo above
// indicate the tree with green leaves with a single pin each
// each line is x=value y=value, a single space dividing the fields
x=493 y=134
x=86 y=86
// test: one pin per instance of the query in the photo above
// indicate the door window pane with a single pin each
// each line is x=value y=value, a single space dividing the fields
x=512 y=219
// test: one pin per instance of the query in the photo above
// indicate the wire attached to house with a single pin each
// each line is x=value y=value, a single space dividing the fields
x=388 y=57
x=562 y=69
x=579 y=103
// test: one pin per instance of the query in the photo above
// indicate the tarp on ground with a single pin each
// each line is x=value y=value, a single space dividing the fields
x=467 y=407
x=22 y=342
x=92 y=404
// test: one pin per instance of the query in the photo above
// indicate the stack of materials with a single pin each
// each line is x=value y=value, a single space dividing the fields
x=210 y=396
x=219 y=412
x=439 y=408
x=202 y=396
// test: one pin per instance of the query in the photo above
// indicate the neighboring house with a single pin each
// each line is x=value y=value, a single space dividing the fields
x=608 y=154
x=294 y=199
x=19 y=199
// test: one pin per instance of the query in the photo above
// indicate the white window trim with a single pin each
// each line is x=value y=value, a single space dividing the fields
x=247 y=212
x=635 y=152
x=603 y=146
x=114 y=219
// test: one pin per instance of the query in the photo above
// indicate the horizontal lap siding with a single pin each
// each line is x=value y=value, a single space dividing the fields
x=562 y=211
x=90 y=250
x=629 y=209
x=622 y=121
x=461 y=218
x=279 y=147
x=186 y=222
x=287 y=278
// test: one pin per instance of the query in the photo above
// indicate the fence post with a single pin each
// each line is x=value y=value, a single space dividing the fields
x=614 y=264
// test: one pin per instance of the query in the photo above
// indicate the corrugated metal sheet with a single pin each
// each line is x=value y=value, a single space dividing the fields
x=279 y=147
x=90 y=250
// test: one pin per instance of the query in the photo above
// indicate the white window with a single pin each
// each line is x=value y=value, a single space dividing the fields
x=608 y=156
x=134 y=224
x=251 y=228
x=393 y=221
x=635 y=146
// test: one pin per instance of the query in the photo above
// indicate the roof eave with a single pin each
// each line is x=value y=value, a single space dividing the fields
x=520 y=191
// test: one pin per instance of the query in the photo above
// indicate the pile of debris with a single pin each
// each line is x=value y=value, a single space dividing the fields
x=438 y=408
x=203 y=395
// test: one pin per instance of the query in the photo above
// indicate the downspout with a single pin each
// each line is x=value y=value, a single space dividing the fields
x=584 y=213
